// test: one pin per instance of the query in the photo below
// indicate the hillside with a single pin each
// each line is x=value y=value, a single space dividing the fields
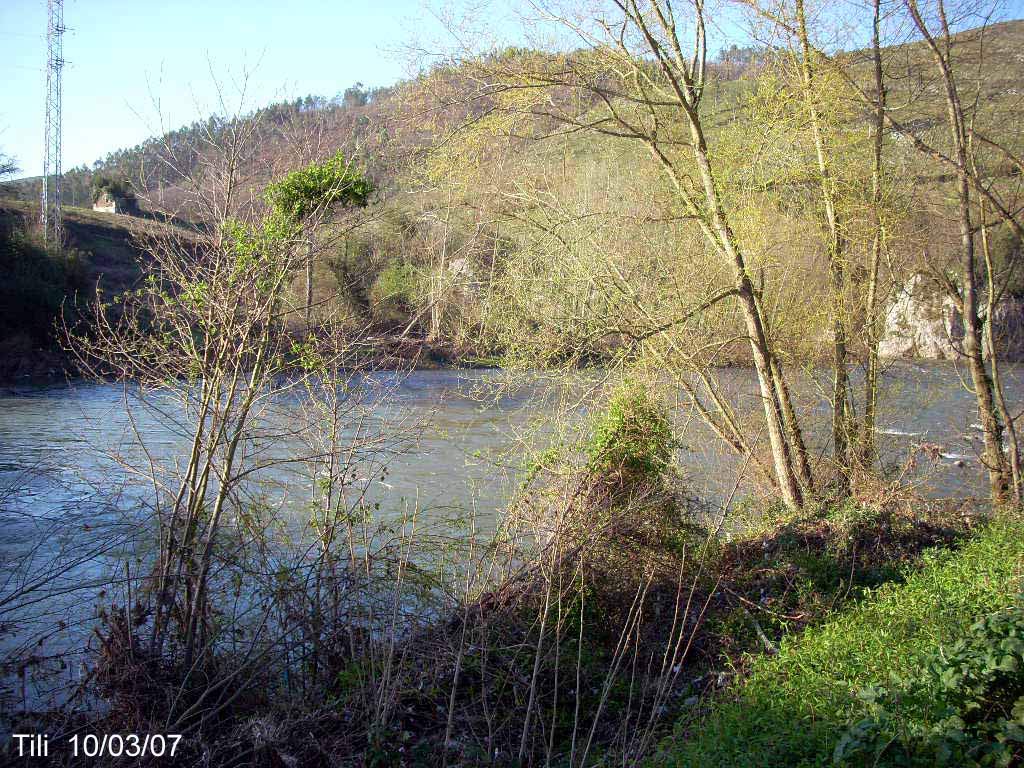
x=439 y=151
x=41 y=286
x=708 y=504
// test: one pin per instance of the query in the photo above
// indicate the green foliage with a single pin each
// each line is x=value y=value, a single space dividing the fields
x=256 y=247
x=965 y=707
x=792 y=708
x=317 y=187
x=546 y=460
x=633 y=436
x=112 y=186
x=307 y=357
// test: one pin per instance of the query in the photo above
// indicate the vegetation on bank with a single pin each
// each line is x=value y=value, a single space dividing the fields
x=38 y=280
x=904 y=677
x=605 y=602
x=40 y=285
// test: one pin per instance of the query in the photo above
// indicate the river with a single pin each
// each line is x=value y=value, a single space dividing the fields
x=66 y=454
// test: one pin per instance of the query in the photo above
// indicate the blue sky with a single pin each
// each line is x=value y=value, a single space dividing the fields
x=123 y=53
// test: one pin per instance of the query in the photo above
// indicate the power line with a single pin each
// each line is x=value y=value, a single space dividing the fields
x=50 y=205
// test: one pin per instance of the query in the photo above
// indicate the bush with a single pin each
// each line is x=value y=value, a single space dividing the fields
x=114 y=187
x=36 y=281
x=633 y=436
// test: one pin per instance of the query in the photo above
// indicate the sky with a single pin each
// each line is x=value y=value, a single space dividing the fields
x=126 y=56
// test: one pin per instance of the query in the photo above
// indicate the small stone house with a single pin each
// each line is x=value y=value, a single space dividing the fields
x=108 y=203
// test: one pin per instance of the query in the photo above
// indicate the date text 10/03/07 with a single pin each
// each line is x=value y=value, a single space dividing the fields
x=101 y=745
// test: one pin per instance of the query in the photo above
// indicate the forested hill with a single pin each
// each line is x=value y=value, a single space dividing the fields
x=161 y=162
x=492 y=215
x=380 y=126
x=360 y=120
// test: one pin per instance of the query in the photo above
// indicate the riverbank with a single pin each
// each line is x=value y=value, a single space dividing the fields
x=844 y=693
x=737 y=605
x=23 y=363
x=597 y=542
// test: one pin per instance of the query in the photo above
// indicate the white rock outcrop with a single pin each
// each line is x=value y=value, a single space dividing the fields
x=921 y=323
x=924 y=323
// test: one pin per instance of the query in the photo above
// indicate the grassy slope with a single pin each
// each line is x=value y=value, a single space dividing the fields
x=114 y=256
x=107 y=253
x=792 y=707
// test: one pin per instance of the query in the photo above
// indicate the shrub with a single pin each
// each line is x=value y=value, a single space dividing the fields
x=395 y=292
x=36 y=281
x=633 y=436
x=103 y=184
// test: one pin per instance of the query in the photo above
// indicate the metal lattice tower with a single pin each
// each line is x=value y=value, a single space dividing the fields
x=50 y=208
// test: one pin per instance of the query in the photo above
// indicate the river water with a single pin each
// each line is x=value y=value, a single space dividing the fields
x=66 y=454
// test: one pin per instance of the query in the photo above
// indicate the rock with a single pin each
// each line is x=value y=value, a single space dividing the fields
x=921 y=323
x=924 y=323
x=1008 y=326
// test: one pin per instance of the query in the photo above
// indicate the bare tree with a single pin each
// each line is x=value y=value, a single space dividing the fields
x=967 y=297
x=8 y=166
x=640 y=81
x=972 y=180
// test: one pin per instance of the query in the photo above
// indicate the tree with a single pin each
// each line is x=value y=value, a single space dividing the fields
x=313 y=191
x=960 y=130
x=112 y=186
x=872 y=333
x=8 y=166
x=355 y=96
x=638 y=81
x=976 y=180
x=206 y=331
x=833 y=134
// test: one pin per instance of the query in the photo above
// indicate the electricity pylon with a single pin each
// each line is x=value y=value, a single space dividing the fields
x=50 y=208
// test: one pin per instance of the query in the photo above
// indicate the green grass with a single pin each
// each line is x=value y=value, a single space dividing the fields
x=792 y=708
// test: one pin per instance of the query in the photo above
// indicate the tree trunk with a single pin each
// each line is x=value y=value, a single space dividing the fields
x=764 y=363
x=836 y=257
x=795 y=434
x=972 y=346
x=993 y=357
x=866 y=448
x=867 y=440
x=980 y=379
x=309 y=287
